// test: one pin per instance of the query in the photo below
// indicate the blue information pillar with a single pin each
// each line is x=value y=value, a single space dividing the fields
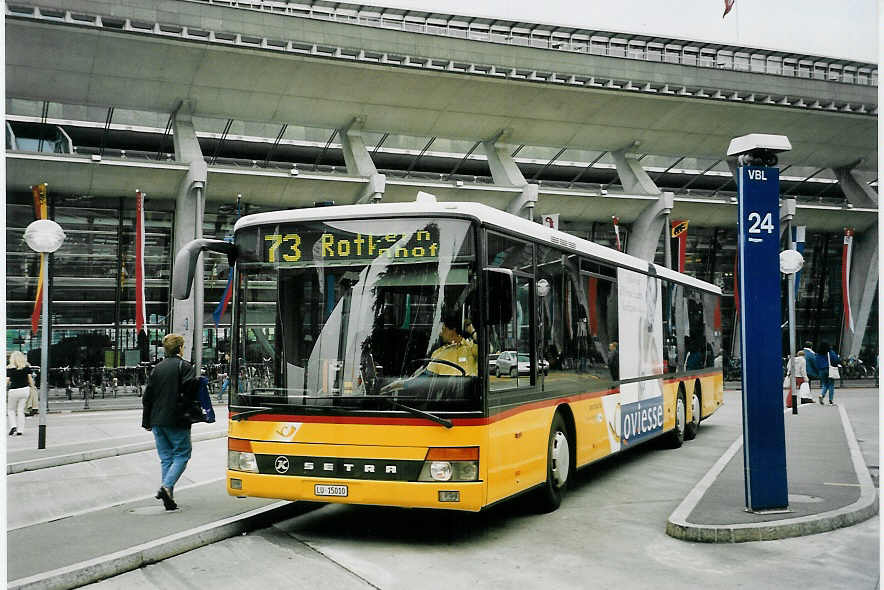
x=764 y=440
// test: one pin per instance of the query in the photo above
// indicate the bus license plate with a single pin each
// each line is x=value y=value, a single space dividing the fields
x=324 y=490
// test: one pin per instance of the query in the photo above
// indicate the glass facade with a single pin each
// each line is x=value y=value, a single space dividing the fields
x=93 y=280
x=92 y=290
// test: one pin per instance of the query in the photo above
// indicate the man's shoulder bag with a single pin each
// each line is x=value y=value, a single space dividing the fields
x=188 y=405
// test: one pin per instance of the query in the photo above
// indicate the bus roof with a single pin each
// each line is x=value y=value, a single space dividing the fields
x=426 y=205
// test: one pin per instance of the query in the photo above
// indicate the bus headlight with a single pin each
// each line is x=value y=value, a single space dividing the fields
x=239 y=461
x=451 y=464
x=440 y=470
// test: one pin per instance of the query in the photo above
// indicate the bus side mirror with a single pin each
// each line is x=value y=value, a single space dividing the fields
x=499 y=287
x=185 y=263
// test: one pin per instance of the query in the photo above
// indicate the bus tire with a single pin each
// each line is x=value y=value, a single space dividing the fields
x=675 y=438
x=558 y=465
x=692 y=427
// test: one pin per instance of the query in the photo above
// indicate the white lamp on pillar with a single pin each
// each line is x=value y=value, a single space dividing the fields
x=44 y=236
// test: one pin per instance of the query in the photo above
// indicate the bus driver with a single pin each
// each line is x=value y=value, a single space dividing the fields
x=457 y=348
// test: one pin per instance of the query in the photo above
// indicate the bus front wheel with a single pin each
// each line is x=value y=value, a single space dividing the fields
x=558 y=465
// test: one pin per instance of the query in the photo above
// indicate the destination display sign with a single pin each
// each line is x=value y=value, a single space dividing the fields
x=296 y=245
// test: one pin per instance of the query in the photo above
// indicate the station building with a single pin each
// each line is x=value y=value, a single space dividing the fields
x=221 y=109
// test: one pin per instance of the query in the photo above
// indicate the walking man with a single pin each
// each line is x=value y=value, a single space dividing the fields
x=172 y=378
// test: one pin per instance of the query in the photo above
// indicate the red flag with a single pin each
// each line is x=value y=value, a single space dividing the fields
x=40 y=212
x=616 y=221
x=592 y=294
x=846 y=255
x=737 y=282
x=679 y=235
x=728 y=5
x=139 y=262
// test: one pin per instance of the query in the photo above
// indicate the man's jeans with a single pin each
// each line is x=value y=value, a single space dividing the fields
x=173 y=447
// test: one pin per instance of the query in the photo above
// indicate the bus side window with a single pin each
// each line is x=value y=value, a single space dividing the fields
x=514 y=336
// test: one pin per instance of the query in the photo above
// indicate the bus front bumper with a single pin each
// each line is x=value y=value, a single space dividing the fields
x=468 y=496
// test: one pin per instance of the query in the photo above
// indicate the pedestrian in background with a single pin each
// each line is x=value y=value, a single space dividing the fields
x=18 y=387
x=173 y=379
x=810 y=362
x=799 y=366
x=827 y=365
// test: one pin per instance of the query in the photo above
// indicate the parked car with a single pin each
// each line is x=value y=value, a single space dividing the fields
x=512 y=363
x=492 y=363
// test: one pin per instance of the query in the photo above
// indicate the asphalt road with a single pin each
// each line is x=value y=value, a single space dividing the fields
x=609 y=533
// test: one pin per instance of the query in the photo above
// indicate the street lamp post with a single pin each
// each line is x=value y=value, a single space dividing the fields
x=44 y=236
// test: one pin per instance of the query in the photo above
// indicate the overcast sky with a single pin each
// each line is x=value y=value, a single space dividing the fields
x=831 y=28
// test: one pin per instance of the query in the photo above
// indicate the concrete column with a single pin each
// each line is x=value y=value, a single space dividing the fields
x=857 y=191
x=646 y=230
x=633 y=177
x=505 y=173
x=864 y=268
x=359 y=163
x=189 y=207
x=863 y=289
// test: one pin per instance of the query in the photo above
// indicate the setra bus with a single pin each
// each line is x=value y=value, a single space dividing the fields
x=449 y=355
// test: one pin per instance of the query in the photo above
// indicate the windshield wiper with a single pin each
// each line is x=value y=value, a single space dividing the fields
x=419 y=413
x=249 y=412
x=396 y=404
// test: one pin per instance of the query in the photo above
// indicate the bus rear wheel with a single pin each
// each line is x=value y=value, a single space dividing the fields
x=675 y=438
x=692 y=427
x=558 y=465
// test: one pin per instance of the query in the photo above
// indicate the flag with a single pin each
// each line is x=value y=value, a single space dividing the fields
x=228 y=290
x=679 y=237
x=846 y=255
x=225 y=299
x=140 y=314
x=728 y=5
x=38 y=192
x=592 y=290
x=737 y=284
x=616 y=221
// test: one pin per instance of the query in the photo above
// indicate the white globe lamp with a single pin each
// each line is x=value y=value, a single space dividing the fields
x=44 y=236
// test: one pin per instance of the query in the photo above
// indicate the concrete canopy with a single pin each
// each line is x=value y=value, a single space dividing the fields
x=80 y=65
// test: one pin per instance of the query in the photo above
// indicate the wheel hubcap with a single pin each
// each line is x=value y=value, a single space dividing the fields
x=679 y=415
x=561 y=459
x=695 y=409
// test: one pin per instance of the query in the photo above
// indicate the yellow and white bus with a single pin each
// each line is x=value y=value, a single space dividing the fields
x=343 y=392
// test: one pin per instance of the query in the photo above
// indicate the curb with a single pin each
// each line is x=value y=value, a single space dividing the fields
x=864 y=508
x=114 y=564
x=92 y=454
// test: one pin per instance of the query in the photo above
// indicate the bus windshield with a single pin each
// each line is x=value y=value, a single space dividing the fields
x=347 y=315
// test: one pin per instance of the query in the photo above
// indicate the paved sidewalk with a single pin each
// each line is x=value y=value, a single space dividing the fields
x=83 y=509
x=84 y=436
x=829 y=486
x=85 y=548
